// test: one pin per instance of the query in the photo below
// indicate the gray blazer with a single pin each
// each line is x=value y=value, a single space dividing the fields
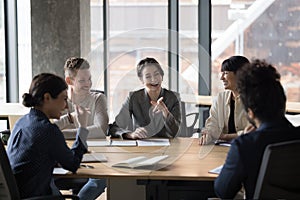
x=137 y=112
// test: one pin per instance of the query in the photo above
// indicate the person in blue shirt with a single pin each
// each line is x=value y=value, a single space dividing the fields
x=264 y=100
x=36 y=145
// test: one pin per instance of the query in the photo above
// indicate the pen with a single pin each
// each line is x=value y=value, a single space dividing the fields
x=87 y=166
x=108 y=138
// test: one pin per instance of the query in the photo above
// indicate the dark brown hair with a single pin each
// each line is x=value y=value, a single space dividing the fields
x=148 y=61
x=41 y=84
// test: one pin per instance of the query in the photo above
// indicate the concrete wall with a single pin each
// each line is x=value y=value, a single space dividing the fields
x=60 y=29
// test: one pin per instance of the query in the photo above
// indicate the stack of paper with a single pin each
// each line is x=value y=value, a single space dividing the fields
x=143 y=142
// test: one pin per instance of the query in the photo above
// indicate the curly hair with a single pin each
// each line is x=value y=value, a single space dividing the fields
x=73 y=64
x=260 y=90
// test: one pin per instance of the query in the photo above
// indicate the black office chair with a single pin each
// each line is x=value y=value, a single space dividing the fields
x=185 y=130
x=279 y=175
x=8 y=184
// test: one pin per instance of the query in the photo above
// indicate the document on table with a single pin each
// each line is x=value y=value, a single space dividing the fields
x=98 y=143
x=60 y=170
x=142 y=142
x=140 y=161
x=154 y=142
x=94 y=157
x=216 y=170
x=123 y=143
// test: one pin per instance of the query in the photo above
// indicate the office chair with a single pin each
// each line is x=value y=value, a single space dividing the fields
x=279 y=175
x=185 y=130
x=8 y=184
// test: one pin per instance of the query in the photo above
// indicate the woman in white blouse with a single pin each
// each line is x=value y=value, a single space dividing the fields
x=227 y=119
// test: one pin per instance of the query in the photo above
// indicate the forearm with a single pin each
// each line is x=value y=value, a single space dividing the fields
x=172 y=125
x=228 y=137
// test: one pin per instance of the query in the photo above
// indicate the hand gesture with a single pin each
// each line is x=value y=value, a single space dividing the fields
x=82 y=115
x=160 y=106
x=203 y=138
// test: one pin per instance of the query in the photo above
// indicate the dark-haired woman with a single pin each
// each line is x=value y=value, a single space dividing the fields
x=36 y=145
x=227 y=119
x=151 y=111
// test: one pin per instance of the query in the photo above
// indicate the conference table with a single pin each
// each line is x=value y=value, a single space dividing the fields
x=184 y=174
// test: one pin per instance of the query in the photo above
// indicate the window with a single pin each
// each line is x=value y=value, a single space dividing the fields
x=188 y=47
x=133 y=35
x=258 y=29
x=97 y=49
x=3 y=123
x=2 y=56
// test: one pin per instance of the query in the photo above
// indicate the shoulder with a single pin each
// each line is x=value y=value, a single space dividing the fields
x=97 y=96
x=224 y=95
x=170 y=94
x=137 y=93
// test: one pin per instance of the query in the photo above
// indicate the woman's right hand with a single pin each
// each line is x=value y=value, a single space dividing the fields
x=203 y=138
x=82 y=115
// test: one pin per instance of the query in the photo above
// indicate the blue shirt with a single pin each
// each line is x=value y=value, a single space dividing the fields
x=35 y=147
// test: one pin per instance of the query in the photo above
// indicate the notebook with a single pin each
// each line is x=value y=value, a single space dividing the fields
x=94 y=157
x=140 y=161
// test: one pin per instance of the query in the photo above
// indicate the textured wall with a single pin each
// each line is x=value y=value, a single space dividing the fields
x=60 y=29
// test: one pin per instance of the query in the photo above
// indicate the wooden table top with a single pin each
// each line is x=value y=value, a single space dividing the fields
x=187 y=161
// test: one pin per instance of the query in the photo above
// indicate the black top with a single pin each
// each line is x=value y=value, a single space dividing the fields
x=231 y=124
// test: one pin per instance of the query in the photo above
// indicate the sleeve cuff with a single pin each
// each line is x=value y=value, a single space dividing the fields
x=82 y=134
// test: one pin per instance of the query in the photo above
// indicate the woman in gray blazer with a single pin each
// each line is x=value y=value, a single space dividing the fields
x=151 y=111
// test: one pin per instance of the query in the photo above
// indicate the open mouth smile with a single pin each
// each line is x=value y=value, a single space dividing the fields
x=154 y=85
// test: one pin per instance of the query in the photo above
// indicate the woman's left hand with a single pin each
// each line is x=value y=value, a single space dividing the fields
x=160 y=106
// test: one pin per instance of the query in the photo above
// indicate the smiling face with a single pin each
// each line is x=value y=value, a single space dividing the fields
x=82 y=82
x=151 y=78
x=229 y=80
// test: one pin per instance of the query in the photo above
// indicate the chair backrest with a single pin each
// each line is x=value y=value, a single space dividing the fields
x=279 y=175
x=186 y=130
x=8 y=185
x=12 y=119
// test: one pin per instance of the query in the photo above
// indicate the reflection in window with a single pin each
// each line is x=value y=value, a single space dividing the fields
x=258 y=29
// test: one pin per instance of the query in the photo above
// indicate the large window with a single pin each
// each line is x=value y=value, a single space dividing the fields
x=2 y=56
x=137 y=29
x=95 y=57
x=265 y=29
x=188 y=47
x=3 y=124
